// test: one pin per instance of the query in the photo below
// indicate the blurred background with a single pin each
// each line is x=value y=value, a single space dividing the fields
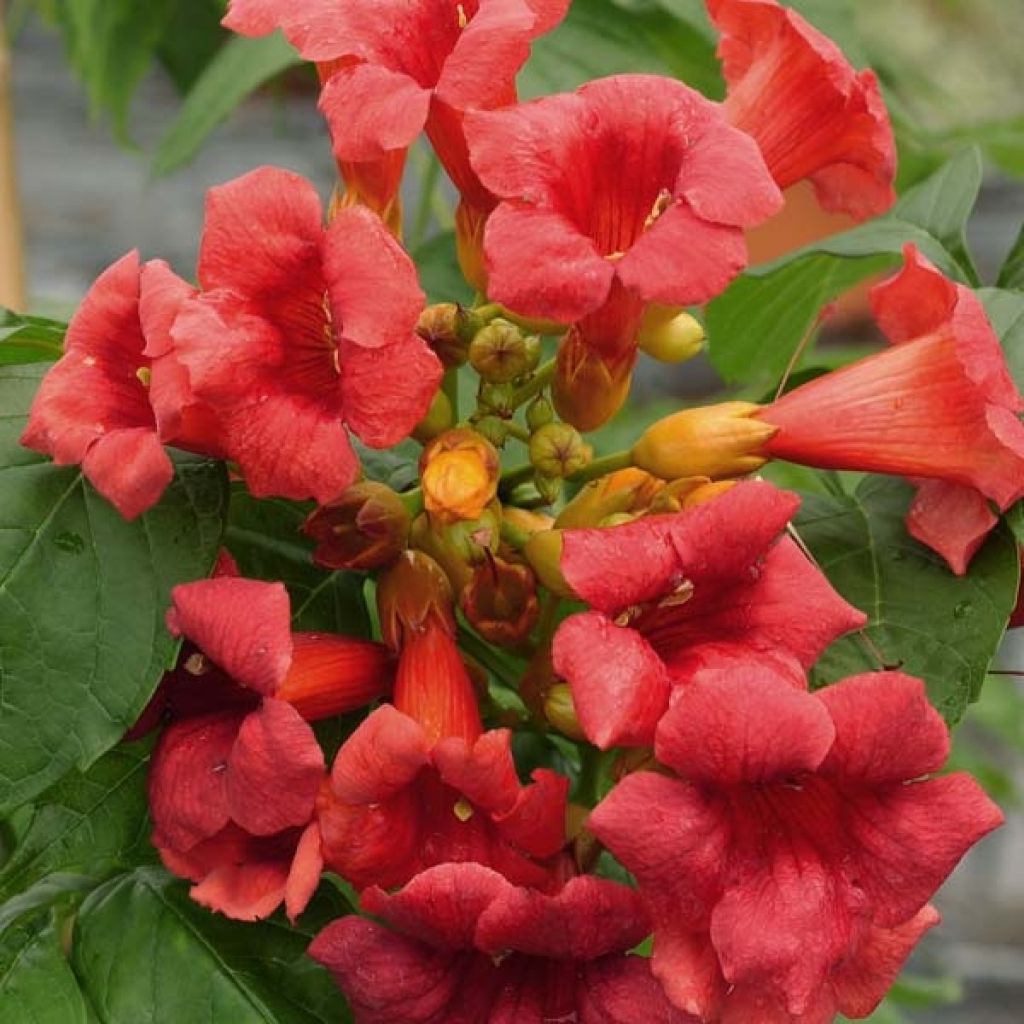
x=122 y=113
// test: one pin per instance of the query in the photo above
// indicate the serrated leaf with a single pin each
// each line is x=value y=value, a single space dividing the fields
x=1011 y=275
x=37 y=985
x=756 y=325
x=89 y=826
x=266 y=539
x=240 y=67
x=82 y=600
x=601 y=37
x=143 y=951
x=942 y=628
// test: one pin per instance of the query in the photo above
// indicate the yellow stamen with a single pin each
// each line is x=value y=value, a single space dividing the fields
x=463 y=18
x=463 y=809
x=661 y=204
x=144 y=375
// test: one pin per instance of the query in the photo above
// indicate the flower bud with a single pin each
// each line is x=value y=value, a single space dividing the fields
x=499 y=352
x=539 y=413
x=497 y=398
x=459 y=471
x=587 y=390
x=330 y=675
x=438 y=419
x=708 y=492
x=411 y=593
x=448 y=328
x=549 y=488
x=713 y=441
x=627 y=490
x=459 y=547
x=673 y=495
x=493 y=429
x=557 y=450
x=560 y=711
x=500 y=602
x=669 y=335
x=544 y=553
x=365 y=528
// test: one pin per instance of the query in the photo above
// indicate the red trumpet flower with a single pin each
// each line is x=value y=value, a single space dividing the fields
x=939 y=404
x=631 y=190
x=464 y=946
x=709 y=587
x=789 y=864
x=812 y=114
x=301 y=332
x=235 y=776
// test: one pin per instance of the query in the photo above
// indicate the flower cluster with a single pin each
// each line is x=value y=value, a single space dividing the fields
x=661 y=625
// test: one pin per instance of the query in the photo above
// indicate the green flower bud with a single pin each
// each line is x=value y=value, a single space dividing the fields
x=499 y=352
x=558 y=450
x=539 y=413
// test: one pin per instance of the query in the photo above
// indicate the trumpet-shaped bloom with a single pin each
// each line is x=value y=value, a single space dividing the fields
x=235 y=776
x=793 y=853
x=939 y=404
x=421 y=783
x=461 y=945
x=393 y=68
x=812 y=114
x=674 y=595
x=301 y=334
x=633 y=189
x=93 y=407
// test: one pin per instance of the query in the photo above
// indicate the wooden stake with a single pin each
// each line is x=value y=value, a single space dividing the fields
x=12 y=255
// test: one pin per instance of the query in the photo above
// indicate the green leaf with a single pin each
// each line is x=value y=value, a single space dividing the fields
x=1012 y=273
x=601 y=37
x=1005 y=311
x=265 y=538
x=240 y=67
x=82 y=601
x=193 y=36
x=37 y=985
x=754 y=328
x=942 y=628
x=143 y=951
x=87 y=827
x=439 y=271
x=111 y=45
x=29 y=339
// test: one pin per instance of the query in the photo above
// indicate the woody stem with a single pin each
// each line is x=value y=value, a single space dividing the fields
x=12 y=259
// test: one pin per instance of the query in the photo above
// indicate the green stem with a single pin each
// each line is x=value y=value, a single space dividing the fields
x=413 y=501
x=517 y=430
x=514 y=536
x=423 y=208
x=603 y=466
x=450 y=387
x=518 y=475
x=537 y=383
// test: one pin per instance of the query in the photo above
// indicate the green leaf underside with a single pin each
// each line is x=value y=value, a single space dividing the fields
x=1005 y=310
x=85 y=828
x=264 y=537
x=239 y=67
x=1012 y=273
x=82 y=601
x=926 y=621
x=37 y=985
x=754 y=328
x=143 y=951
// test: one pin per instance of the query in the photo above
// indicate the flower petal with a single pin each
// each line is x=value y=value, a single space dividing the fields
x=304 y=873
x=620 y=687
x=375 y=294
x=372 y=111
x=130 y=469
x=743 y=725
x=387 y=391
x=274 y=770
x=250 y=891
x=243 y=626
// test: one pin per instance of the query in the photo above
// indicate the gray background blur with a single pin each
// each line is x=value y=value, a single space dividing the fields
x=86 y=202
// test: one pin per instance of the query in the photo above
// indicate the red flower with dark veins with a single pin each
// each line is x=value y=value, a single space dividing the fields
x=672 y=595
x=631 y=190
x=301 y=334
x=235 y=776
x=788 y=864
x=938 y=405
x=461 y=945
x=93 y=407
x=812 y=114
x=394 y=68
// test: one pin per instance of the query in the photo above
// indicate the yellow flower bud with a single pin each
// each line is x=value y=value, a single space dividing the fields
x=670 y=335
x=714 y=441
x=544 y=553
x=560 y=711
x=459 y=471
x=626 y=490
